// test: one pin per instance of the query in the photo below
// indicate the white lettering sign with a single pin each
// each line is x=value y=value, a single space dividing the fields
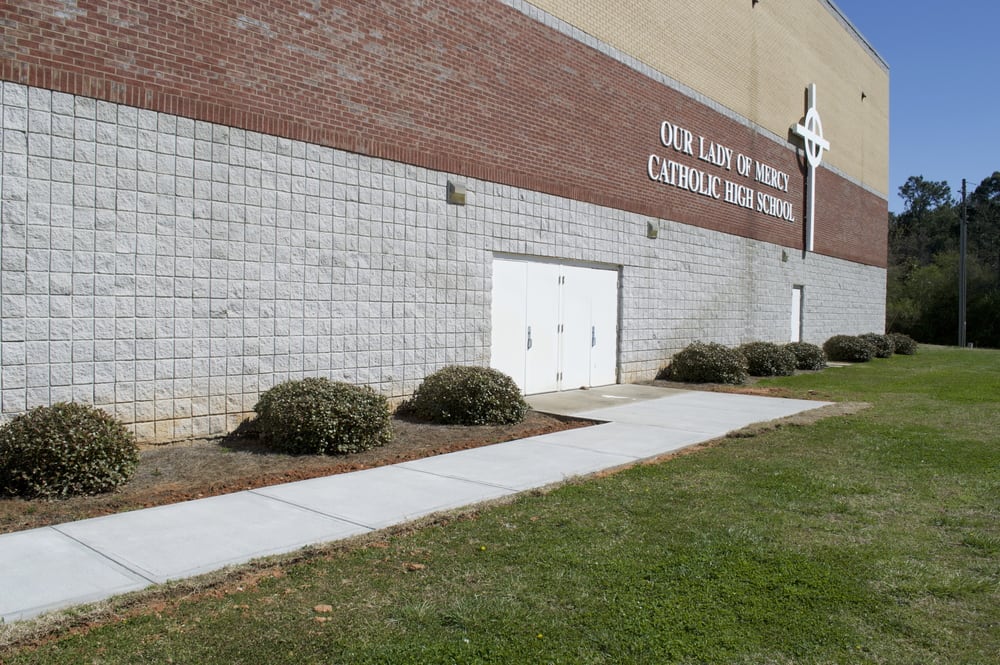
x=682 y=176
x=678 y=138
x=772 y=177
x=702 y=182
x=716 y=154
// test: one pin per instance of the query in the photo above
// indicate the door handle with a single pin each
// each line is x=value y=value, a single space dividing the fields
x=593 y=335
x=529 y=337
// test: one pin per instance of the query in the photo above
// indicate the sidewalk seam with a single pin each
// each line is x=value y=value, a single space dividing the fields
x=310 y=510
x=101 y=554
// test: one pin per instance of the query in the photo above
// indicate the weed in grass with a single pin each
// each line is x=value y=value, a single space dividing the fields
x=987 y=545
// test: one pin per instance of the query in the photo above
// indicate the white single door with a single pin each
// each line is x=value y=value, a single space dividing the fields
x=796 y=313
x=509 y=319
x=542 y=329
x=604 y=327
x=576 y=327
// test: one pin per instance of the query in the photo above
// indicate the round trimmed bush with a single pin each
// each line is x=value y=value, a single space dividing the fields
x=807 y=356
x=315 y=416
x=884 y=346
x=701 y=362
x=64 y=450
x=904 y=344
x=848 y=348
x=768 y=359
x=468 y=395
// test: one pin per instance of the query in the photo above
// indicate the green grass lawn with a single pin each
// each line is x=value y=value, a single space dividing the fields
x=872 y=538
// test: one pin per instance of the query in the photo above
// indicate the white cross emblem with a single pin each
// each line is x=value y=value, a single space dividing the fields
x=812 y=135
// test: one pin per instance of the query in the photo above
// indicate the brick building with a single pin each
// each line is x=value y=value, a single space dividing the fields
x=200 y=200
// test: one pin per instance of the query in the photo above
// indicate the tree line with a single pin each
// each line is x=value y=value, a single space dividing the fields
x=922 y=288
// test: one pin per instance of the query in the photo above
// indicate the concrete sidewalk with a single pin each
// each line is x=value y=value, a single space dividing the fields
x=80 y=562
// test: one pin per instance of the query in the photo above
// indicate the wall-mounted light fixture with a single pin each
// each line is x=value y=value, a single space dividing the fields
x=456 y=193
x=652 y=230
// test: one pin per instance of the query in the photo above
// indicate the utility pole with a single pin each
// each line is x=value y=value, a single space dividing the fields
x=963 y=241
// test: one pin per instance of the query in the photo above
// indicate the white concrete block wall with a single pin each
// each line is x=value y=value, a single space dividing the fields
x=739 y=291
x=170 y=270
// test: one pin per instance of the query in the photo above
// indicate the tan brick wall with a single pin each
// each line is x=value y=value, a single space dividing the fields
x=758 y=61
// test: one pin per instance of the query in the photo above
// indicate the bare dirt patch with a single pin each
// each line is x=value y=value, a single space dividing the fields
x=207 y=467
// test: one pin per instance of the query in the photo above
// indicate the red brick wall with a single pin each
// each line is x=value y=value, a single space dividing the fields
x=467 y=86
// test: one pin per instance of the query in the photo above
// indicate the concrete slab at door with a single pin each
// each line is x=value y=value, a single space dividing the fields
x=519 y=465
x=712 y=414
x=637 y=441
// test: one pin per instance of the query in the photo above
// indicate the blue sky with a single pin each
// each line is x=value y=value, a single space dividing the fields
x=944 y=106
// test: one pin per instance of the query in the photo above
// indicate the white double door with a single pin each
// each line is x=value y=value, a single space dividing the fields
x=555 y=326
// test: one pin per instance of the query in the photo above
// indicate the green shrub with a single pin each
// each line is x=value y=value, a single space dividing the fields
x=701 y=362
x=64 y=450
x=849 y=348
x=904 y=344
x=807 y=356
x=468 y=395
x=884 y=346
x=768 y=359
x=318 y=416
